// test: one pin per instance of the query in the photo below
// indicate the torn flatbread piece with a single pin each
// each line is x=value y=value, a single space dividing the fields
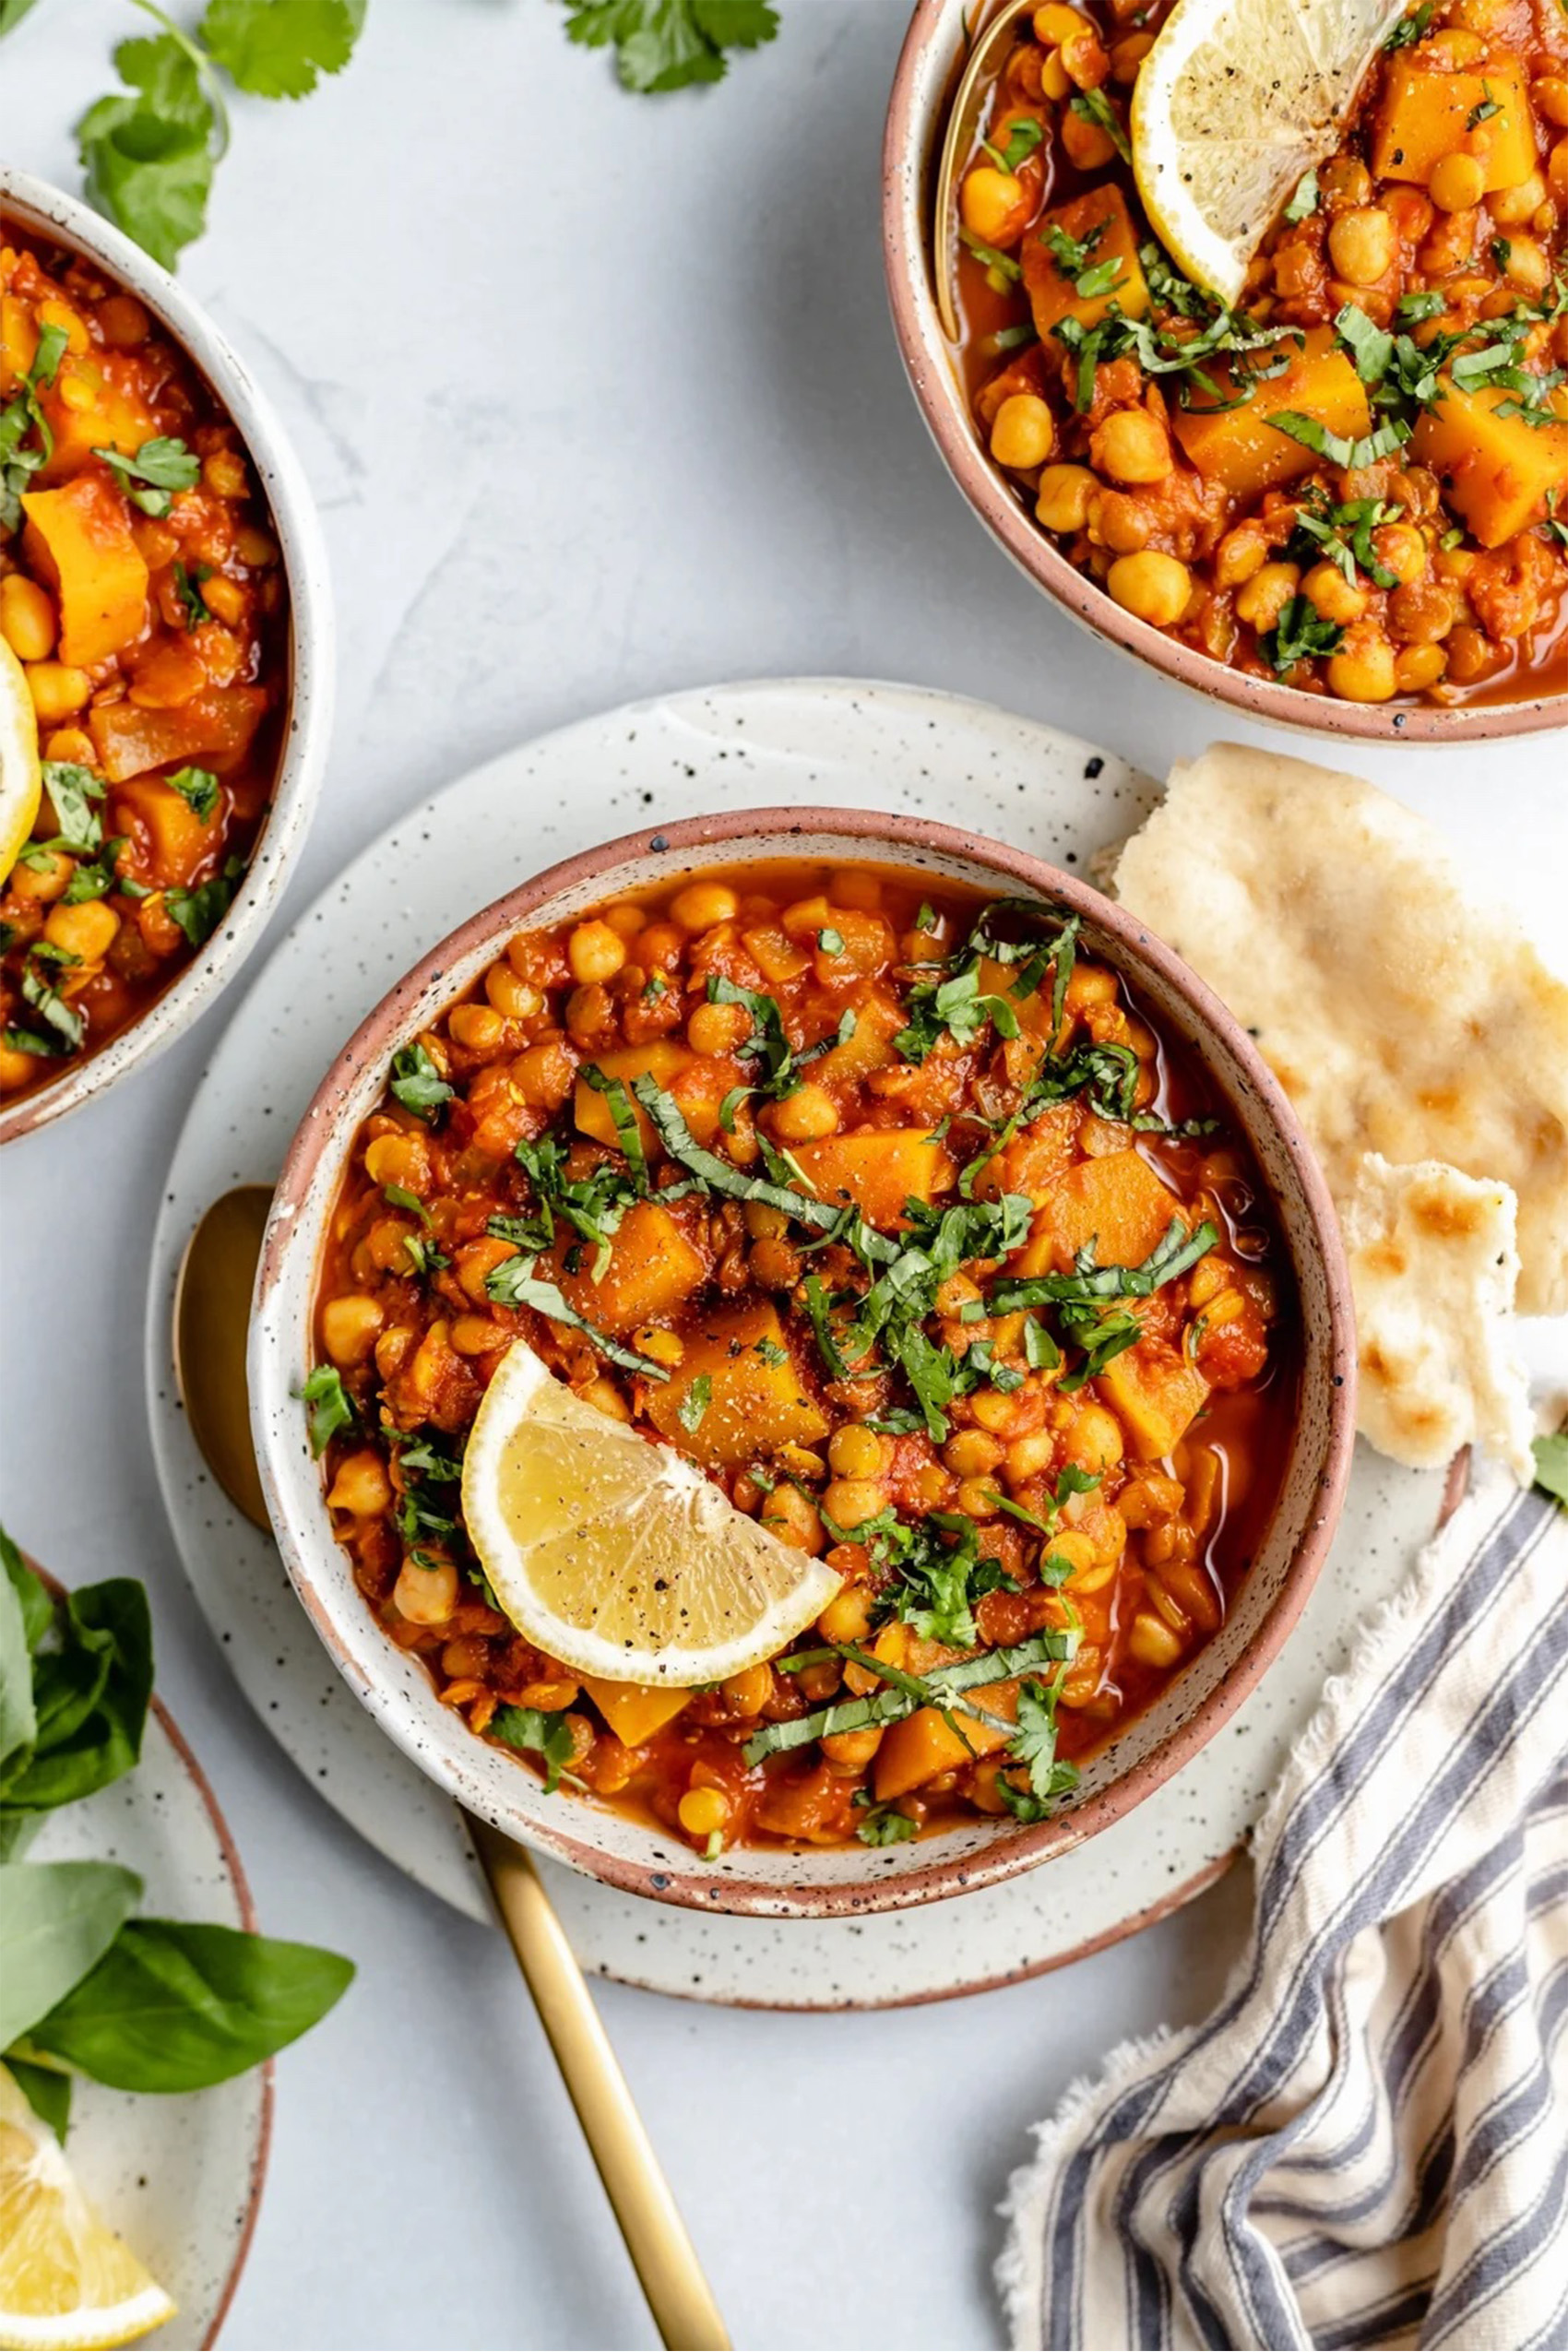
x=1404 y=1015
x=1434 y=1267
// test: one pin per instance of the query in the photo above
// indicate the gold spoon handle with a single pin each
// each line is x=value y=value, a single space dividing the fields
x=663 y=2256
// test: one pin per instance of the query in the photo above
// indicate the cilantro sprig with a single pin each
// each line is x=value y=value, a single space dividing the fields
x=149 y=150
x=670 y=44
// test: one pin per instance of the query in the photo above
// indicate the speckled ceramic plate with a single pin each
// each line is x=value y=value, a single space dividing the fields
x=180 y=2178
x=803 y=741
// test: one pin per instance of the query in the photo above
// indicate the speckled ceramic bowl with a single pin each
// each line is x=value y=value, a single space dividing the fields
x=395 y=1687
x=60 y=219
x=932 y=56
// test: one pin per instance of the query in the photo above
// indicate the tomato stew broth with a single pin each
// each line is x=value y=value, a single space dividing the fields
x=1123 y=1509
x=1430 y=567
x=146 y=602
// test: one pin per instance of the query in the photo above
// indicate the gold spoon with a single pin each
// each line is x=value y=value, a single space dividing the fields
x=212 y=1303
x=962 y=115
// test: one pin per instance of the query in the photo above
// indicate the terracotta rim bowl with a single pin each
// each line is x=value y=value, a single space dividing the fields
x=60 y=219
x=928 y=66
x=646 y=1861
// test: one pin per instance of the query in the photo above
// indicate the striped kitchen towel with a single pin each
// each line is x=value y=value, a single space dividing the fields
x=1367 y=2144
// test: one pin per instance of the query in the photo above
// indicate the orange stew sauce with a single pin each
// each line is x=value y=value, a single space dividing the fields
x=142 y=592
x=972 y=1488
x=1408 y=310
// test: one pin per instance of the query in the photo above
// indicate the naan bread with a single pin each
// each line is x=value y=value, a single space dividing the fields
x=1434 y=1267
x=1402 y=1016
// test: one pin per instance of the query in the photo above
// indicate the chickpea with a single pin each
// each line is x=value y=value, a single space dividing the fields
x=718 y=1028
x=1527 y=266
x=1152 y=1640
x=1331 y=595
x=1089 y=147
x=401 y=1159
x=1454 y=48
x=1094 y=1441
x=793 y=1518
x=775 y=1265
x=512 y=997
x=849 y=1751
x=1152 y=588
x=1030 y=1457
x=349 y=1326
x=545 y=1075
x=977 y=1499
x=702 y=1812
x=1131 y=445
x=994 y=1411
x=1055 y=81
x=847 y=1617
x=1266 y=594
x=1362 y=670
x=1550 y=99
x=1128 y=53
x=1400 y=550
x=361 y=1486
x=27 y=617
x=1023 y=432
x=1556 y=170
x=993 y=205
x=704 y=905
x=805 y=1116
x=849 y=1503
x=57 y=689
x=855 y=1453
x=1458 y=182
x=477 y=1336
x=1119 y=522
x=1511 y=208
x=1422 y=612
x=1242 y=553
x=86 y=931
x=1084 y=58
x=1361 y=244
x=1416 y=667
x=595 y=951
x=748 y=1692
x=224 y=474
x=1055 y=23
x=1062 y=501
x=970 y=1453
x=1471 y=655
x=425 y=1596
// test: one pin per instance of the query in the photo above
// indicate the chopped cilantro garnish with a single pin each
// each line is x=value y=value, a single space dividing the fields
x=1301 y=633
x=546 y=1736
x=1306 y=199
x=329 y=1408
x=198 y=787
x=694 y=1405
x=1093 y=106
x=161 y=466
x=198 y=912
x=417 y=1083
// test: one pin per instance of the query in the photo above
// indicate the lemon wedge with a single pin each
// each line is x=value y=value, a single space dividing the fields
x=21 y=783
x=65 y=2280
x=615 y=1555
x=1236 y=102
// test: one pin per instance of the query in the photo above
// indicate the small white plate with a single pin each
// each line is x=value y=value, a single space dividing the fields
x=803 y=741
x=179 y=2177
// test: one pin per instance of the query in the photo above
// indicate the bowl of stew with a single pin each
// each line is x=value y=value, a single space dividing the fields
x=1390 y=560
x=1052 y=1364
x=163 y=586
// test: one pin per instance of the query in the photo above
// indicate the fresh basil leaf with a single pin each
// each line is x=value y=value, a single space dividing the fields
x=694 y=1405
x=539 y=1733
x=177 y=2007
x=1305 y=200
x=1551 y=1464
x=198 y=912
x=417 y=1083
x=197 y=787
x=56 y=1921
x=164 y=465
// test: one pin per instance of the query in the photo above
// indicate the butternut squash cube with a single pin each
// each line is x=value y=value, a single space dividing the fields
x=635 y=1711
x=116 y=420
x=755 y=1402
x=178 y=839
x=1117 y=1202
x=1052 y=290
x=1426 y=115
x=1495 y=470
x=924 y=1744
x=1239 y=448
x=1155 y=1394
x=652 y=1272
x=878 y=1172
x=80 y=537
x=869 y=1046
x=659 y=1059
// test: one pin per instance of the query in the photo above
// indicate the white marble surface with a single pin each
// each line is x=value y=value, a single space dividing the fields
x=598 y=397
